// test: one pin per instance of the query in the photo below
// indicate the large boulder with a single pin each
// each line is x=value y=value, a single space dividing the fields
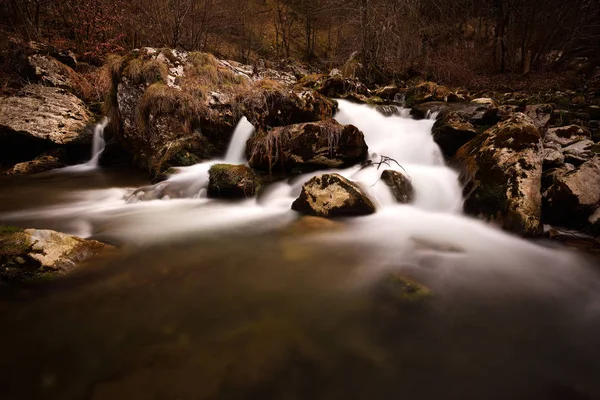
x=477 y=113
x=269 y=104
x=174 y=106
x=501 y=170
x=33 y=254
x=51 y=72
x=306 y=147
x=40 y=118
x=399 y=184
x=232 y=181
x=574 y=196
x=332 y=195
x=45 y=114
x=334 y=85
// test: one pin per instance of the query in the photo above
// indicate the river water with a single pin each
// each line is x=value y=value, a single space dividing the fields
x=223 y=300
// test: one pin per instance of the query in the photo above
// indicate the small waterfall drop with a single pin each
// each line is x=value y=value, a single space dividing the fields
x=98 y=142
x=237 y=146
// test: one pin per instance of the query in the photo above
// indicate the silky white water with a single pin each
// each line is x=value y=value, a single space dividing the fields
x=178 y=206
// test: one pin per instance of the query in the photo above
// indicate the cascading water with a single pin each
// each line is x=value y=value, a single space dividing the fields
x=98 y=143
x=237 y=147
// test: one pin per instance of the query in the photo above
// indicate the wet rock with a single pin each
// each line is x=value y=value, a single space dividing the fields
x=553 y=158
x=338 y=86
x=51 y=72
x=332 y=195
x=574 y=196
x=550 y=176
x=388 y=110
x=43 y=163
x=32 y=254
x=269 y=104
x=501 y=170
x=399 y=184
x=306 y=147
x=41 y=116
x=390 y=93
x=451 y=132
x=426 y=92
x=567 y=135
x=232 y=181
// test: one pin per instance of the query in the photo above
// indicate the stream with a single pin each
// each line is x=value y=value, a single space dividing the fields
x=212 y=299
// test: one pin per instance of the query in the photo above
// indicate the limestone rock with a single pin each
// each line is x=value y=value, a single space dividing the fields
x=31 y=253
x=553 y=158
x=232 y=181
x=332 y=195
x=51 y=72
x=502 y=171
x=426 y=91
x=578 y=152
x=399 y=184
x=574 y=196
x=306 y=147
x=567 y=135
x=46 y=114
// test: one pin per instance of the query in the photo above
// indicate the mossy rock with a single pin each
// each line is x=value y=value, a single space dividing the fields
x=232 y=181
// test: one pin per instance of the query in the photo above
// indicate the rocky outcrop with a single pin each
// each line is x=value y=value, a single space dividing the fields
x=501 y=170
x=168 y=100
x=399 y=184
x=306 y=147
x=332 y=195
x=232 y=181
x=32 y=254
x=482 y=113
x=46 y=114
x=567 y=135
x=269 y=104
x=574 y=196
x=335 y=85
x=50 y=72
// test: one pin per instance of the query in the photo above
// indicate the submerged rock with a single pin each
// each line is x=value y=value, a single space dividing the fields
x=501 y=170
x=306 y=147
x=33 y=254
x=332 y=195
x=309 y=224
x=232 y=181
x=399 y=184
x=574 y=196
x=396 y=290
x=40 y=114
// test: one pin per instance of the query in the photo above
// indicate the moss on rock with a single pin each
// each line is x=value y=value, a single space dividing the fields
x=232 y=181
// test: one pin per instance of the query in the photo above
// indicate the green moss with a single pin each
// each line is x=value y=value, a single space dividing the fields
x=6 y=229
x=232 y=181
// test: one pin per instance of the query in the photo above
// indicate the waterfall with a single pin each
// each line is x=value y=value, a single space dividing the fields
x=98 y=143
x=237 y=146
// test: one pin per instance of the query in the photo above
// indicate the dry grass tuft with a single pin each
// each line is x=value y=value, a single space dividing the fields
x=160 y=99
x=140 y=71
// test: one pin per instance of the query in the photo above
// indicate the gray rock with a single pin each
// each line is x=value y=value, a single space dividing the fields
x=332 y=195
x=578 y=152
x=51 y=72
